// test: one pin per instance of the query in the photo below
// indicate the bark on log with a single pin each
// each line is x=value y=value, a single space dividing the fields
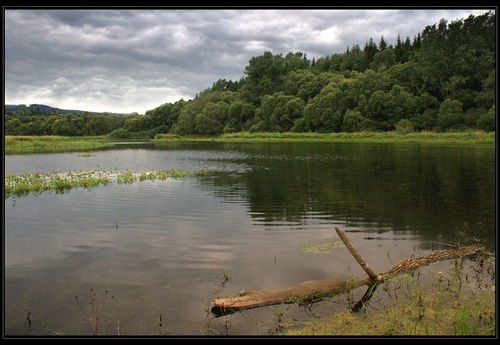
x=315 y=290
x=308 y=291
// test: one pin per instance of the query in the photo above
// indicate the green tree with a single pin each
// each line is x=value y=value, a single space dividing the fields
x=353 y=59
x=369 y=51
x=61 y=126
x=295 y=62
x=382 y=44
x=33 y=127
x=486 y=97
x=355 y=122
x=408 y=75
x=306 y=84
x=77 y=124
x=13 y=126
x=265 y=74
x=295 y=79
x=451 y=115
x=328 y=63
x=313 y=87
x=97 y=125
x=212 y=118
x=427 y=108
x=324 y=113
x=186 y=121
x=115 y=121
x=387 y=108
x=239 y=113
x=378 y=108
x=457 y=55
x=146 y=122
x=417 y=42
x=360 y=86
x=160 y=114
x=278 y=112
x=383 y=59
x=433 y=57
x=399 y=50
x=487 y=121
x=294 y=110
x=132 y=124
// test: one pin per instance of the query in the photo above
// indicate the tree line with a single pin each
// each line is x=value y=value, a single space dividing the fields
x=441 y=80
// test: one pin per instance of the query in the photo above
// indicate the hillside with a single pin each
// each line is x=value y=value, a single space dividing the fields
x=45 y=109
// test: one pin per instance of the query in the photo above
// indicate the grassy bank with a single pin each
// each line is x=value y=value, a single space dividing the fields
x=447 y=305
x=22 y=144
x=427 y=137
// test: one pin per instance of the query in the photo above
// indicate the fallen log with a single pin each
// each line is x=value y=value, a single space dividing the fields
x=315 y=290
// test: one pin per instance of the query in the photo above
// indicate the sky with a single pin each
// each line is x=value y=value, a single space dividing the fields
x=130 y=60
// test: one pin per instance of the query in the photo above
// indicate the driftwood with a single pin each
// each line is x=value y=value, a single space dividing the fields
x=312 y=291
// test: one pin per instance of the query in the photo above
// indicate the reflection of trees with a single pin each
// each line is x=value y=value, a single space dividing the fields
x=430 y=189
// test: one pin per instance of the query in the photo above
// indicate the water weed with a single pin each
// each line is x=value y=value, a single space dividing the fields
x=60 y=183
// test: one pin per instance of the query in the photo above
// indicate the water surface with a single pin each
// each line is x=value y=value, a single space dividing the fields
x=164 y=249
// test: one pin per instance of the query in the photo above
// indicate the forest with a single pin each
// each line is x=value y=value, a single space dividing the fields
x=443 y=79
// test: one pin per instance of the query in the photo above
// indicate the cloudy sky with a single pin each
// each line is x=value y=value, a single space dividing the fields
x=133 y=60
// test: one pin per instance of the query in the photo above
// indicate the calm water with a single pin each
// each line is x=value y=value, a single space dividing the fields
x=154 y=254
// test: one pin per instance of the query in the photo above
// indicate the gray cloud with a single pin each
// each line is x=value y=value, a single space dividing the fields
x=128 y=60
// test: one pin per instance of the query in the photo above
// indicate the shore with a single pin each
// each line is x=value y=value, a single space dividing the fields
x=27 y=144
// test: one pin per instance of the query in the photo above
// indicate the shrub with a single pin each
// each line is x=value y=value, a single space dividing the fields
x=486 y=122
x=404 y=126
x=119 y=134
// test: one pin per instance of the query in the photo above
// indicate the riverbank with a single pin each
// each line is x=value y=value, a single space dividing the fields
x=427 y=137
x=28 y=144
x=445 y=306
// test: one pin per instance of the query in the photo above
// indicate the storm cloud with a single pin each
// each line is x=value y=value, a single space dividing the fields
x=133 y=60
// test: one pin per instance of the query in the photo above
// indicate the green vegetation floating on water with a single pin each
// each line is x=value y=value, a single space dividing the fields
x=37 y=183
x=322 y=247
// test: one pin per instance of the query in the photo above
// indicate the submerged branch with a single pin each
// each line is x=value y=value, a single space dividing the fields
x=312 y=291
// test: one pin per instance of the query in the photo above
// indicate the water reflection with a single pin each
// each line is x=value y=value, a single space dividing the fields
x=162 y=247
x=433 y=191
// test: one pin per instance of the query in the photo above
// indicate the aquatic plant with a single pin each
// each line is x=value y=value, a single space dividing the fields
x=60 y=183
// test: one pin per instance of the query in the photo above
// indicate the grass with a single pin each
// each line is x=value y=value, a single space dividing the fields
x=21 y=144
x=426 y=137
x=447 y=305
x=28 y=144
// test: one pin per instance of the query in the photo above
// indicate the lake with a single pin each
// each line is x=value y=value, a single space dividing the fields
x=152 y=255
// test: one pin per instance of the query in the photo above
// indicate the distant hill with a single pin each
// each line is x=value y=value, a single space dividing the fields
x=48 y=109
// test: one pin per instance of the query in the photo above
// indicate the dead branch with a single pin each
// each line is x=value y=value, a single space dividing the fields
x=312 y=291
x=357 y=256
